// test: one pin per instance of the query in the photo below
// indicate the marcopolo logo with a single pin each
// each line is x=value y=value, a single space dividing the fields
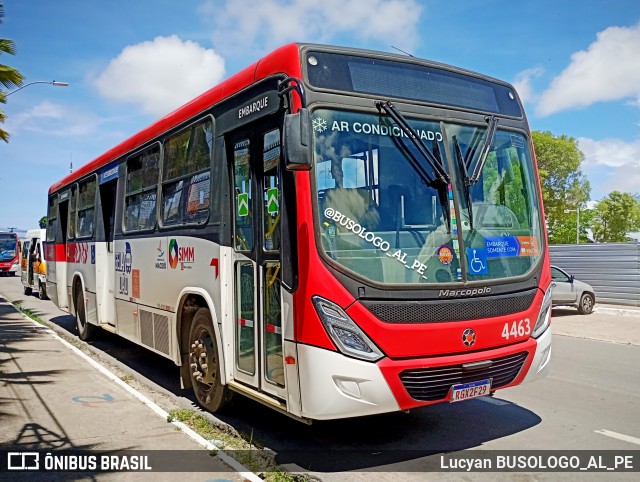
x=468 y=292
x=183 y=255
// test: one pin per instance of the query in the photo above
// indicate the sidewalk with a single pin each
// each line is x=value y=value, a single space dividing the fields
x=53 y=399
x=621 y=310
x=611 y=323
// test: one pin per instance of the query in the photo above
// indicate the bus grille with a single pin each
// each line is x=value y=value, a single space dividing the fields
x=442 y=311
x=429 y=384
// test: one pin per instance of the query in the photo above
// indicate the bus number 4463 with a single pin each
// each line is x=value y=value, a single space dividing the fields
x=516 y=329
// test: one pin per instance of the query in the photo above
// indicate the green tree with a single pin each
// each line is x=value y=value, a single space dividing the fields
x=43 y=222
x=564 y=186
x=9 y=77
x=615 y=217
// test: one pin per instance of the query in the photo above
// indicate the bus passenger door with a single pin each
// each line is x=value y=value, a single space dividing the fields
x=59 y=271
x=105 y=272
x=258 y=353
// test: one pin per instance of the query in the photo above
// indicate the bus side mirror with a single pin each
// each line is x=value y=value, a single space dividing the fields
x=297 y=141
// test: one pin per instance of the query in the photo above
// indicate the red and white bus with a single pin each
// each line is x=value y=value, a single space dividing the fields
x=332 y=232
x=9 y=262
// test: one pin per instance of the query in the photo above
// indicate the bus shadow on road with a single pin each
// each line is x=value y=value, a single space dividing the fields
x=158 y=369
x=390 y=442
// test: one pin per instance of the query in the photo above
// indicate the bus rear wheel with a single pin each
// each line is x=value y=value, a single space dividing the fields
x=85 y=329
x=42 y=292
x=204 y=364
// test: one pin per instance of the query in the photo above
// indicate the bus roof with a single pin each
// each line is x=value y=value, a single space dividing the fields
x=285 y=59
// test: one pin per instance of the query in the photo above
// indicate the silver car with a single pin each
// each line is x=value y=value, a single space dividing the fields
x=568 y=291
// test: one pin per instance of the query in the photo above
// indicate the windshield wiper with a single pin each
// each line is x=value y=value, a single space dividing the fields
x=465 y=184
x=422 y=148
x=435 y=163
x=484 y=150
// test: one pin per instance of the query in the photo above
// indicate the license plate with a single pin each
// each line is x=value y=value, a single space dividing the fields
x=465 y=391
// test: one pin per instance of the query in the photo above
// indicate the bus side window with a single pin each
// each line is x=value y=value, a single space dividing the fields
x=143 y=171
x=186 y=175
x=86 y=208
x=52 y=217
x=71 y=224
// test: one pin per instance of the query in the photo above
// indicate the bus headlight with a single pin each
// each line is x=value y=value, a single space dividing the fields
x=544 y=317
x=344 y=332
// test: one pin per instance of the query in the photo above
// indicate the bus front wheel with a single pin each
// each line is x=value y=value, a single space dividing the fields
x=204 y=364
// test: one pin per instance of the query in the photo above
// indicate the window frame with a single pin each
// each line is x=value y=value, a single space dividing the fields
x=52 y=217
x=142 y=190
x=278 y=176
x=92 y=177
x=72 y=211
x=566 y=279
x=163 y=183
x=240 y=141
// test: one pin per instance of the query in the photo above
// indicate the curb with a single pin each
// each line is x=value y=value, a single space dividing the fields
x=234 y=464
x=617 y=311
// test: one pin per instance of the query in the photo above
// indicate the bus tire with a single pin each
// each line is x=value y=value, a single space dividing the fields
x=85 y=329
x=204 y=365
x=42 y=292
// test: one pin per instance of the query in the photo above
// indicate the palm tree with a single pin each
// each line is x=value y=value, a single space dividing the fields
x=9 y=77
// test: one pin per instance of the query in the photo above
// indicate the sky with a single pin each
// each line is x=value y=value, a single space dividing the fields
x=575 y=64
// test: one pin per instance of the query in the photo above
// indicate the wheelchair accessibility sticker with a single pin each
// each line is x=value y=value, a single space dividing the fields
x=477 y=259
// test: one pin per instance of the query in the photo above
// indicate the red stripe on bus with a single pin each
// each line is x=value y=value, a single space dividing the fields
x=243 y=322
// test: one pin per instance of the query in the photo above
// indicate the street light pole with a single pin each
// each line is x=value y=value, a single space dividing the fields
x=55 y=83
x=577 y=211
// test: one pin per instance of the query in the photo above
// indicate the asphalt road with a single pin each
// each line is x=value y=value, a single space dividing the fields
x=589 y=401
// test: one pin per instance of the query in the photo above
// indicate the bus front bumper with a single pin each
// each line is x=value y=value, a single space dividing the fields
x=335 y=386
x=9 y=267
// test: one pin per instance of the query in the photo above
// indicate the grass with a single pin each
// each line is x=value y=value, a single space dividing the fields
x=29 y=313
x=244 y=451
x=126 y=378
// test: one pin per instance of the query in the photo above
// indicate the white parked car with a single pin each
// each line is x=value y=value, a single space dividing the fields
x=568 y=291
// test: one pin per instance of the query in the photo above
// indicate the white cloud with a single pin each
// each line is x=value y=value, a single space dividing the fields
x=611 y=152
x=523 y=86
x=53 y=119
x=611 y=164
x=608 y=70
x=247 y=24
x=161 y=74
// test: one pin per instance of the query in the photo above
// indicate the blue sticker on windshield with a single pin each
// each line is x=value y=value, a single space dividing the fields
x=477 y=259
x=502 y=246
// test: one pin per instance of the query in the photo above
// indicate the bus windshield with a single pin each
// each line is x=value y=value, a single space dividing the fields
x=8 y=246
x=386 y=215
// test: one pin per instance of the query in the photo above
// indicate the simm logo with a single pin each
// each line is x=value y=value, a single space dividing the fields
x=184 y=255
